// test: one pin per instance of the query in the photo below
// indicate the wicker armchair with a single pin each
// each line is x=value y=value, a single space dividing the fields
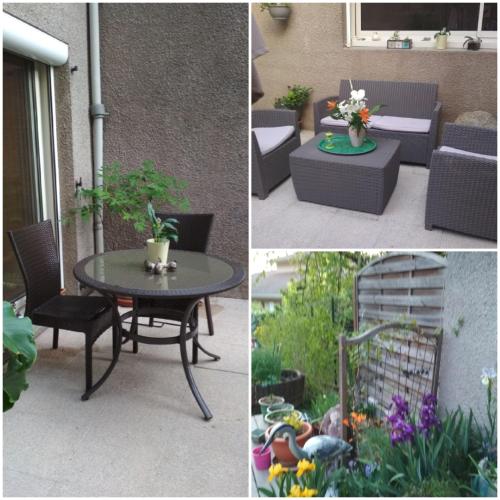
x=462 y=190
x=271 y=169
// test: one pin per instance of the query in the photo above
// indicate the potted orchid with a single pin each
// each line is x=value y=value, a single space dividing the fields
x=356 y=113
x=441 y=38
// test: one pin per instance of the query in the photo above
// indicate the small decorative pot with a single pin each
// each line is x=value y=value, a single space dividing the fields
x=357 y=139
x=158 y=252
x=262 y=461
x=273 y=417
x=282 y=451
x=280 y=12
x=441 y=42
x=267 y=401
x=281 y=406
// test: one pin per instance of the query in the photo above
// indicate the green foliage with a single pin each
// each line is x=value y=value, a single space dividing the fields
x=315 y=310
x=128 y=193
x=322 y=403
x=266 y=366
x=442 y=32
x=296 y=98
x=163 y=230
x=439 y=465
x=460 y=324
x=267 y=6
x=19 y=343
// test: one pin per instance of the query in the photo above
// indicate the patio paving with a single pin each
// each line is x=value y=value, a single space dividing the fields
x=282 y=221
x=141 y=433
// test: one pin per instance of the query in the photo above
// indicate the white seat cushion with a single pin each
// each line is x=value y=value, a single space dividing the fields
x=328 y=120
x=269 y=138
x=401 y=124
x=448 y=149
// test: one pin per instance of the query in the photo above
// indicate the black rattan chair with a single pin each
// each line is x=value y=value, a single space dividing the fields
x=37 y=255
x=194 y=234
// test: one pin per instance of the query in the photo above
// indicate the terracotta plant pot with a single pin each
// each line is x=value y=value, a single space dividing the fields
x=280 y=445
x=125 y=302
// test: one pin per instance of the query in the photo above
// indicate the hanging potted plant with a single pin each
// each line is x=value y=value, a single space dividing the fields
x=164 y=231
x=441 y=38
x=278 y=11
x=356 y=113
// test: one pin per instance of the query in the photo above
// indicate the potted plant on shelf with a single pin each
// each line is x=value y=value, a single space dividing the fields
x=441 y=38
x=268 y=378
x=278 y=11
x=164 y=231
x=296 y=99
x=266 y=401
x=356 y=113
x=303 y=432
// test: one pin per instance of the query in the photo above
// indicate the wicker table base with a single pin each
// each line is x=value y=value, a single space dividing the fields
x=363 y=182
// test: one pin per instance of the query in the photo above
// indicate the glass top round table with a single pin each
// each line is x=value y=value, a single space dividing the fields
x=122 y=272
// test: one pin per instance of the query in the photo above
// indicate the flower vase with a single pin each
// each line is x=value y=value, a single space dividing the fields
x=357 y=138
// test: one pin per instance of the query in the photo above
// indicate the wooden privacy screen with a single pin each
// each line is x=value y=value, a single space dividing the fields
x=398 y=308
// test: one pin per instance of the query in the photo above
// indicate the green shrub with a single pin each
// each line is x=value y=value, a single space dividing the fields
x=296 y=97
x=266 y=366
x=322 y=403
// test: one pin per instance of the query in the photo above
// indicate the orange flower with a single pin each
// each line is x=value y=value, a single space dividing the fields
x=346 y=422
x=365 y=115
x=358 y=417
x=331 y=105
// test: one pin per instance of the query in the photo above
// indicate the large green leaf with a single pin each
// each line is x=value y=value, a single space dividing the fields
x=19 y=344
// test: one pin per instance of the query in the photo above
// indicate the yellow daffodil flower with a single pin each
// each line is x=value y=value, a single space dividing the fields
x=304 y=466
x=275 y=471
x=309 y=492
x=295 y=491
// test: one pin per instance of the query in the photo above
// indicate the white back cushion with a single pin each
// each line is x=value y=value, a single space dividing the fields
x=328 y=120
x=448 y=149
x=269 y=138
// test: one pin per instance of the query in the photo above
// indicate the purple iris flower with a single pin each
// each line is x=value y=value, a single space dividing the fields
x=428 y=418
x=401 y=430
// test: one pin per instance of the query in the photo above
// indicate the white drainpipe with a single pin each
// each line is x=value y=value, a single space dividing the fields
x=98 y=112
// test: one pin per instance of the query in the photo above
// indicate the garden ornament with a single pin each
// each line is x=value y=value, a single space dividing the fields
x=322 y=448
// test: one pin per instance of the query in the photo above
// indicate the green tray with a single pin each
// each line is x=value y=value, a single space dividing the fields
x=342 y=146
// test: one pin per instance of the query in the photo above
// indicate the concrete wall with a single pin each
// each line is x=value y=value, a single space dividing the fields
x=470 y=293
x=175 y=82
x=68 y=22
x=309 y=50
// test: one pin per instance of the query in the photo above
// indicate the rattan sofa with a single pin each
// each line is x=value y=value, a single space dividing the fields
x=414 y=100
x=462 y=189
x=269 y=170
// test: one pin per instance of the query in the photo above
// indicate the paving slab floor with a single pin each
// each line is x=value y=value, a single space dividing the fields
x=141 y=433
x=282 y=221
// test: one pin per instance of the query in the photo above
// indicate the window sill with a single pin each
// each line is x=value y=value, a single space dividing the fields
x=422 y=49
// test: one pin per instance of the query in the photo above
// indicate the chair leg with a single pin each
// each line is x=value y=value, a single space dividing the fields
x=55 y=338
x=88 y=362
x=208 y=311
x=193 y=323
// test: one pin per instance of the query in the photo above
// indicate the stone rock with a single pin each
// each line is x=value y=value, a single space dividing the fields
x=332 y=422
x=477 y=119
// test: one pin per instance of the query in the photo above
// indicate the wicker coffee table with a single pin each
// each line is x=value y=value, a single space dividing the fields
x=361 y=182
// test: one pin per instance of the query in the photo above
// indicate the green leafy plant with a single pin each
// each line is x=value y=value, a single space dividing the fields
x=266 y=366
x=442 y=32
x=312 y=479
x=267 y=6
x=322 y=403
x=163 y=230
x=19 y=344
x=128 y=193
x=315 y=310
x=295 y=99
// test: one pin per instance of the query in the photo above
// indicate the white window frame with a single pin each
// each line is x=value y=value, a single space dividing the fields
x=356 y=37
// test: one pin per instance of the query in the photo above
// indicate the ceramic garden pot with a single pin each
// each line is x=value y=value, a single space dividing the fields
x=280 y=12
x=158 y=252
x=357 y=138
x=280 y=445
x=441 y=42
x=266 y=401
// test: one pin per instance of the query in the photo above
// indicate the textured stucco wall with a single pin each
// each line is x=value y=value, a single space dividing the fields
x=308 y=50
x=470 y=293
x=68 y=22
x=175 y=84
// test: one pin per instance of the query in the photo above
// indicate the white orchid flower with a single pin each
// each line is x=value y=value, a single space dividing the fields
x=358 y=95
x=487 y=376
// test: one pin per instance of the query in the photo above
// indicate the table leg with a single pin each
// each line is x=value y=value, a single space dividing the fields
x=185 y=362
x=117 y=336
